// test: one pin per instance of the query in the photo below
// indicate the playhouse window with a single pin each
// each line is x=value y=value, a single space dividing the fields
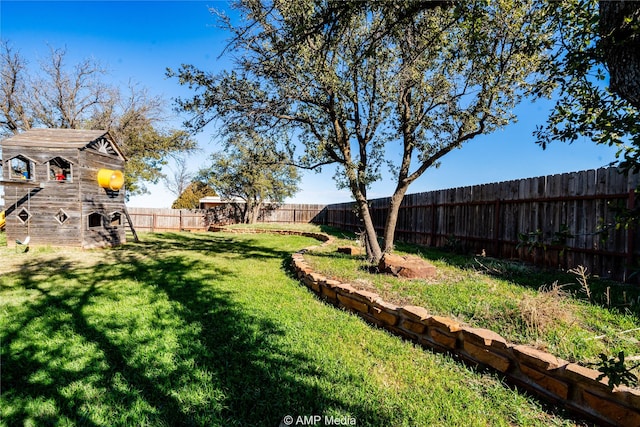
x=95 y=220
x=21 y=168
x=61 y=216
x=59 y=170
x=24 y=215
x=116 y=219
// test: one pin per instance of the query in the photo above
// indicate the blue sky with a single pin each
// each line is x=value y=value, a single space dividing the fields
x=138 y=40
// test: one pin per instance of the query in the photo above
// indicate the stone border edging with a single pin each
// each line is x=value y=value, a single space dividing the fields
x=553 y=379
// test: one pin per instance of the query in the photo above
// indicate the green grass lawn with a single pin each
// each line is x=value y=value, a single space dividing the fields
x=212 y=330
x=548 y=310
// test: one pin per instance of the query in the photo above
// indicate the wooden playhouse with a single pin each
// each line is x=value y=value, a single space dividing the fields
x=63 y=187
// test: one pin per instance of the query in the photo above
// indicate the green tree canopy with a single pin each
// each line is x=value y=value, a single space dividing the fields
x=597 y=69
x=253 y=170
x=379 y=88
x=190 y=197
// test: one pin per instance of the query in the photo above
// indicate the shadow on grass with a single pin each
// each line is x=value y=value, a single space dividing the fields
x=152 y=340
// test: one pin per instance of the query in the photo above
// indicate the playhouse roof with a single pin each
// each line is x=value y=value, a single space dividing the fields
x=59 y=138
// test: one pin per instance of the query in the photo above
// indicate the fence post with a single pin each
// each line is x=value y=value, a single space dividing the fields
x=434 y=207
x=496 y=225
x=631 y=203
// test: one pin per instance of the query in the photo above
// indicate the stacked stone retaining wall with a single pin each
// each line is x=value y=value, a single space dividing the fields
x=556 y=380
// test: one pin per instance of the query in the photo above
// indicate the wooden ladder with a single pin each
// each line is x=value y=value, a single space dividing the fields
x=133 y=230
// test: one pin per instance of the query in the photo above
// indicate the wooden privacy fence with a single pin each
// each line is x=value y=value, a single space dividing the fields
x=156 y=220
x=294 y=213
x=559 y=221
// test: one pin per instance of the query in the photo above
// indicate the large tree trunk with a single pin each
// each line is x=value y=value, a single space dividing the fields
x=392 y=217
x=255 y=212
x=621 y=47
x=374 y=253
x=245 y=213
